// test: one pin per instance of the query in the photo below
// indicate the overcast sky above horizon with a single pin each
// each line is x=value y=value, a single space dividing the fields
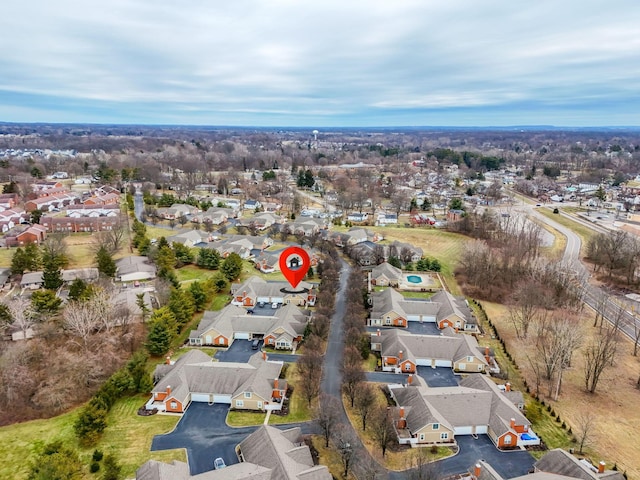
x=326 y=63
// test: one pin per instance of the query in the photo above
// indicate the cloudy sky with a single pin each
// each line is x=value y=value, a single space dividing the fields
x=323 y=63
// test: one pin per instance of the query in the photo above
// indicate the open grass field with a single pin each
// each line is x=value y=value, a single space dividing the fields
x=128 y=436
x=613 y=406
x=442 y=245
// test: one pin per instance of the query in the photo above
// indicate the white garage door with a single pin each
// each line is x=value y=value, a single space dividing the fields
x=443 y=363
x=263 y=299
x=222 y=399
x=463 y=430
x=200 y=397
x=481 y=429
x=423 y=362
x=242 y=335
x=413 y=318
x=277 y=299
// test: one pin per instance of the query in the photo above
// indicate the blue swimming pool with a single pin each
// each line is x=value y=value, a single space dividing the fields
x=414 y=279
x=527 y=436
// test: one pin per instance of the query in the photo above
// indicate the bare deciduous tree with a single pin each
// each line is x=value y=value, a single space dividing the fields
x=23 y=317
x=381 y=427
x=365 y=398
x=327 y=415
x=585 y=423
x=598 y=355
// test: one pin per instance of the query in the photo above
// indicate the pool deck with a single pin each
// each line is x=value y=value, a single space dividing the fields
x=428 y=282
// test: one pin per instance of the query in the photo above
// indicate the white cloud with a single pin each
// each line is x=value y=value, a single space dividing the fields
x=298 y=60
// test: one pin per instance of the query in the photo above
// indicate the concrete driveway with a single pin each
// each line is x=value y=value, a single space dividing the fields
x=203 y=432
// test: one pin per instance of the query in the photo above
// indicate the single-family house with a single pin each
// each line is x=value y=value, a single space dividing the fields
x=194 y=377
x=308 y=226
x=191 y=238
x=134 y=267
x=560 y=462
x=215 y=215
x=251 y=204
x=176 y=211
x=40 y=185
x=358 y=217
x=387 y=219
x=405 y=251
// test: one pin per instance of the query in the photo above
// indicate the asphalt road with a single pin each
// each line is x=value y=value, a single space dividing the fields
x=611 y=309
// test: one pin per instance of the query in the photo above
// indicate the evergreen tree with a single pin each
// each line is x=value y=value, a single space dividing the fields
x=181 y=305
x=208 y=258
x=161 y=332
x=232 y=267
x=45 y=301
x=112 y=469
x=57 y=462
x=106 y=265
x=198 y=294
x=142 y=306
x=183 y=254
x=51 y=272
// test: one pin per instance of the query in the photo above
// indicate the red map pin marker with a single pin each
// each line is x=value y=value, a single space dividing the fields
x=294 y=264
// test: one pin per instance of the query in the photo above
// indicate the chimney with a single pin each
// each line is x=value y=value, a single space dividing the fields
x=410 y=379
x=486 y=351
x=507 y=387
x=400 y=355
x=168 y=360
x=378 y=332
x=601 y=467
x=264 y=355
x=401 y=412
x=487 y=359
x=275 y=384
x=476 y=470
x=244 y=293
x=513 y=423
x=168 y=390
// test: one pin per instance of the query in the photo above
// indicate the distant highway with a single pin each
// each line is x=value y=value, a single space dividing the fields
x=593 y=295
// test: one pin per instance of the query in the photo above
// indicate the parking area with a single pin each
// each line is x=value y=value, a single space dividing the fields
x=423 y=328
x=239 y=351
x=438 y=377
x=265 y=310
x=507 y=464
x=203 y=432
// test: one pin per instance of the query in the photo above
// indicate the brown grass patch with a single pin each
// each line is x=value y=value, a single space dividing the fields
x=613 y=404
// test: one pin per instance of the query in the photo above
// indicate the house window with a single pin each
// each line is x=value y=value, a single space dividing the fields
x=469 y=359
x=480 y=368
x=507 y=440
x=247 y=394
x=259 y=405
x=407 y=366
x=422 y=437
x=173 y=405
x=387 y=321
x=444 y=436
x=462 y=366
x=436 y=426
x=239 y=404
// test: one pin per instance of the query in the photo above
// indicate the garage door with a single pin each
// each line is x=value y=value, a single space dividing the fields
x=242 y=335
x=222 y=399
x=423 y=362
x=443 y=363
x=263 y=299
x=277 y=299
x=463 y=430
x=413 y=318
x=200 y=397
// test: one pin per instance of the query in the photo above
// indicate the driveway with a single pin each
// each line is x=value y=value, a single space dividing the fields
x=241 y=350
x=386 y=377
x=203 y=432
x=418 y=328
x=508 y=464
x=438 y=377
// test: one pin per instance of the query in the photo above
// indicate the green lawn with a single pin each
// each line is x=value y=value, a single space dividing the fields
x=189 y=273
x=416 y=294
x=128 y=436
x=237 y=418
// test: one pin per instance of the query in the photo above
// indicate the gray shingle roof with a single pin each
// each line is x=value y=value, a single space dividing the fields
x=194 y=372
x=561 y=462
x=275 y=450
